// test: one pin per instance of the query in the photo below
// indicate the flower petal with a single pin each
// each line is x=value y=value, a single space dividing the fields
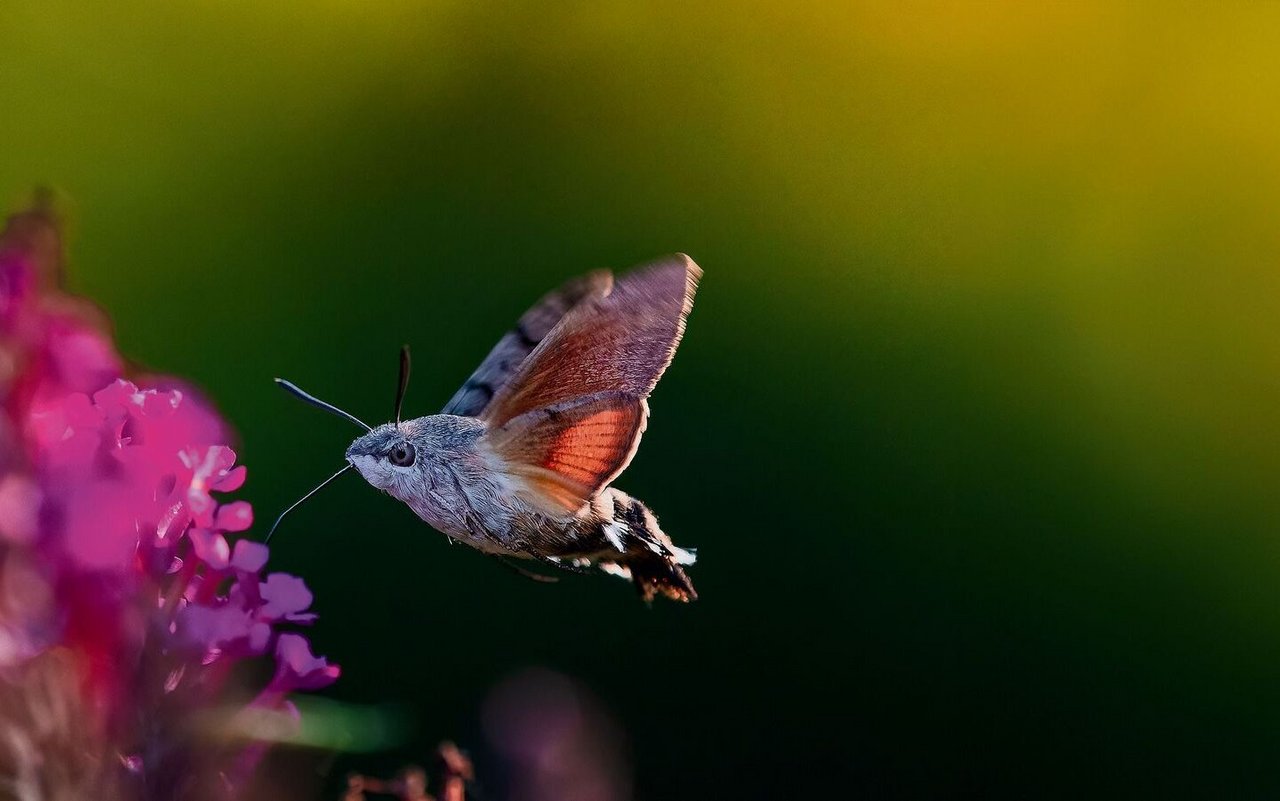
x=299 y=669
x=284 y=595
x=249 y=556
x=211 y=548
x=236 y=516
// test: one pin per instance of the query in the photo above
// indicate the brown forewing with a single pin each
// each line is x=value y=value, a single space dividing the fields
x=621 y=341
x=514 y=346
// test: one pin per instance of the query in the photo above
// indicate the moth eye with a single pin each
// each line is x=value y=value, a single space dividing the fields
x=402 y=455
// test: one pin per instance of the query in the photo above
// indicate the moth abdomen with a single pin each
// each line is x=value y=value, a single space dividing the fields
x=628 y=542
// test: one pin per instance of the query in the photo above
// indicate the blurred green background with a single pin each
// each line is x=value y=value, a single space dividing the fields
x=976 y=426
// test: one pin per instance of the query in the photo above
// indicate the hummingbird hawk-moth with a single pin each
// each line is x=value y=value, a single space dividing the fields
x=520 y=462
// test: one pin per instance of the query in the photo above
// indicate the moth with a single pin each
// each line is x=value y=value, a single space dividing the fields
x=520 y=463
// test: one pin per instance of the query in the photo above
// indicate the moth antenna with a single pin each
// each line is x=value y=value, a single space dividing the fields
x=298 y=502
x=294 y=390
x=404 y=381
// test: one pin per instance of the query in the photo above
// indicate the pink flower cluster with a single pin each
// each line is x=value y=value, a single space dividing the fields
x=117 y=574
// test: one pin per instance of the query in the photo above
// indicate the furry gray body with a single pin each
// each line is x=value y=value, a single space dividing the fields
x=456 y=484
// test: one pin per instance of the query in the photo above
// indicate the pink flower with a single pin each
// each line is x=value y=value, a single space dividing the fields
x=113 y=516
x=286 y=598
x=298 y=669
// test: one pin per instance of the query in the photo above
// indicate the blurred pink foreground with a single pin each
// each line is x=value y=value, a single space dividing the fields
x=129 y=626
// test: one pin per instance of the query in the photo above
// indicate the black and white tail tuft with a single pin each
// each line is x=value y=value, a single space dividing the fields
x=645 y=554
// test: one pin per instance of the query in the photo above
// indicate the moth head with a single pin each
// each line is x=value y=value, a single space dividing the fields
x=388 y=455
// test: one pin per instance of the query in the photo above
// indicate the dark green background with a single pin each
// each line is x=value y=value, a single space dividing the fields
x=976 y=426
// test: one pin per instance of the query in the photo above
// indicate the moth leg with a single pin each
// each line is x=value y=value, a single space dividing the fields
x=529 y=574
x=554 y=561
